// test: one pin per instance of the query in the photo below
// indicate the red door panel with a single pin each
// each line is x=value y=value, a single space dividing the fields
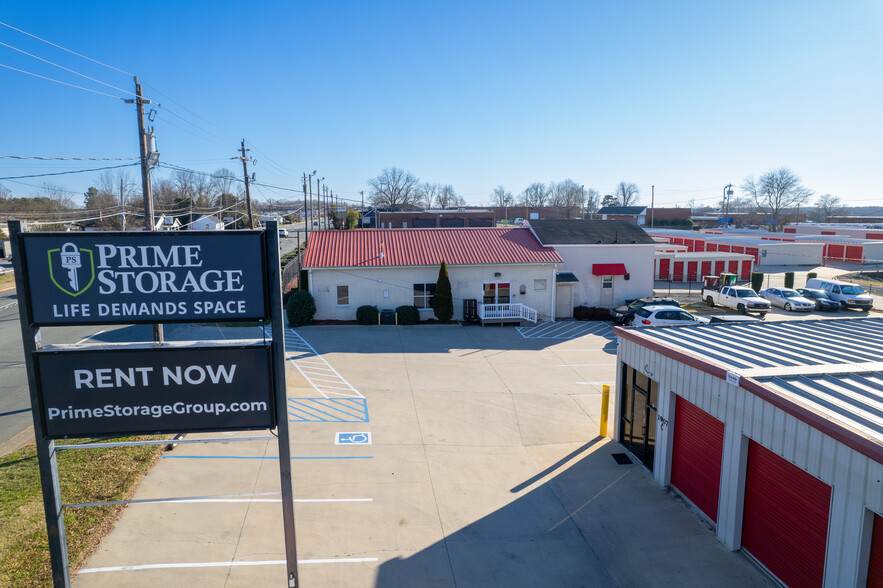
x=785 y=520
x=836 y=251
x=692 y=271
x=678 y=271
x=755 y=252
x=719 y=267
x=700 y=244
x=746 y=270
x=697 y=451
x=734 y=266
x=854 y=253
x=711 y=246
x=664 y=265
x=829 y=232
x=723 y=248
x=875 y=563
x=878 y=236
x=706 y=269
x=790 y=230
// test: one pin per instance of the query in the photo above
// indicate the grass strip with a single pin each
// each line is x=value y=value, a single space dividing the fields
x=85 y=475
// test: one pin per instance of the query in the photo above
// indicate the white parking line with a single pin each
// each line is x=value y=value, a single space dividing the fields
x=220 y=564
x=566 y=330
x=313 y=367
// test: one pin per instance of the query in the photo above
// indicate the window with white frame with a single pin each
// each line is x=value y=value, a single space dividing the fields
x=343 y=295
x=607 y=282
x=539 y=284
x=423 y=295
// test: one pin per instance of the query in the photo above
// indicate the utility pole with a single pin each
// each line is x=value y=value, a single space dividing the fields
x=245 y=161
x=306 y=215
x=325 y=208
x=362 y=212
x=149 y=225
x=319 y=200
x=652 y=199
x=122 y=208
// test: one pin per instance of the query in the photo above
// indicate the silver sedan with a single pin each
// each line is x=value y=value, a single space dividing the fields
x=788 y=298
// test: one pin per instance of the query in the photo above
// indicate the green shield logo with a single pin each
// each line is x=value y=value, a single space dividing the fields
x=71 y=269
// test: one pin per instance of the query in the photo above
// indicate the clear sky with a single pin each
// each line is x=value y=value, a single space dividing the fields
x=686 y=96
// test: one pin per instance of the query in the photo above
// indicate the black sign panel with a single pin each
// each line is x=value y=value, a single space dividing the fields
x=162 y=277
x=84 y=393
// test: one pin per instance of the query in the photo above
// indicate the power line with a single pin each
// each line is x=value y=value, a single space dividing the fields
x=68 y=50
x=66 y=69
x=77 y=171
x=70 y=158
x=60 y=82
x=166 y=108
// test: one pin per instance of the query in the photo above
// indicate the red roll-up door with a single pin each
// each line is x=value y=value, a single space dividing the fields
x=692 y=271
x=700 y=244
x=877 y=236
x=790 y=230
x=678 y=271
x=875 y=563
x=706 y=269
x=785 y=520
x=696 y=455
x=719 y=267
x=754 y=251
x=723 y=248
x=836 y=251
x=664 y=265
x=829 y=232
x=711 y=246
x=745 y=274
x=855 y=253
x=734 y=266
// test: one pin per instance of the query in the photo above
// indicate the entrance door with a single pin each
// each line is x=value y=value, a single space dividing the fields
x=606 y=291
x=638 y=415
x=563 y=301
x=664 y=265
x=496 y=293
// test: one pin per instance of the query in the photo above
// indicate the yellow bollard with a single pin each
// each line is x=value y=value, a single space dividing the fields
x=605 y=406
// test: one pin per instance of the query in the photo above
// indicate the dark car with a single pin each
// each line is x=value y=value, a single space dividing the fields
x=820 y=297
x=624 y=315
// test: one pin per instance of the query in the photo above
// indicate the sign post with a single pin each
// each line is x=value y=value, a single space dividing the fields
x=151 y=387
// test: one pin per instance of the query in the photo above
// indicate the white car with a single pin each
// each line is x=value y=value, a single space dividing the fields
x=788 y=298
x=283 y=232
x=659 y=316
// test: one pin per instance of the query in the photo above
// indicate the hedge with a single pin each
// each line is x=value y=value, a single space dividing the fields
x=301 y=308
x=756 y=281
x=591 y=313
x=789 y=279
x=407 y=315
x=367 y=315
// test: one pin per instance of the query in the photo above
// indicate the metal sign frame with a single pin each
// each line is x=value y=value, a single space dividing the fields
x=271 y=284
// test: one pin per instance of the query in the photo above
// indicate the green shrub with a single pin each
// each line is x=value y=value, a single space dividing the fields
x=581 y=313
x=287 y=295
x=811 y=275
x=300 y=308
x=756 y=281
x=407 y=315
x=443 y=300
x=789 y=279
x=367 y=315
x=591 y=313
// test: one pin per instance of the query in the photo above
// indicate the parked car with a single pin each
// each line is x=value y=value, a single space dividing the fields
x=624 y=315
x=788 y=298
x=665 y=315
x=283 y=232
x=820 y=298
x=846 y=293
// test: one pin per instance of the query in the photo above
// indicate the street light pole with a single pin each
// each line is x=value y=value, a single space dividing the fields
x=728 y=191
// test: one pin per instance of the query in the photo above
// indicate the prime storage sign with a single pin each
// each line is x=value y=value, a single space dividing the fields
x=111 y=278
x=149 y=389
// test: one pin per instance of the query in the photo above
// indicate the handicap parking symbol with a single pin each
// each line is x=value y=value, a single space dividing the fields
x=352 y=439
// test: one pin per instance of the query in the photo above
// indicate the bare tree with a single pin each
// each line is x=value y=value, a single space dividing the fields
x=535 y=195
x=60 y=195
x=447 y=197
x=501 y=197
x=4 y=192
x=393 y=188
x=569 y=195
x=775 y=191
x=626 y=194
x=828 y=205
x=593 y=200
x=426 y=194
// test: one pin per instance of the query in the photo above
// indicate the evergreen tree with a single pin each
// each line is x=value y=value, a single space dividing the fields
x=443 y=300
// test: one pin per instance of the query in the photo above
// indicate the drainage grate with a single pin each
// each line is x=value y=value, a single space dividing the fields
x=621 y=458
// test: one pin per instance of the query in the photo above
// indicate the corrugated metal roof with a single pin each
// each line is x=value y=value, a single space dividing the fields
x=419 y=247
x=777 y=346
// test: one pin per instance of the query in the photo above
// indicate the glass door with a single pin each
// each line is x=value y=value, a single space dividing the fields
x=496 y=293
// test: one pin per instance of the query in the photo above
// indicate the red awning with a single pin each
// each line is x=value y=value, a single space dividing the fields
x=608 y=269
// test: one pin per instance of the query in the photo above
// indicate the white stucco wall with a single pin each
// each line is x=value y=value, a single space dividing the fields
x=638 y=260
x=392 y=287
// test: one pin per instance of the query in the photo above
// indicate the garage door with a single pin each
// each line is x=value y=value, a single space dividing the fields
x=785 y=521
x=875 y=565
x=696 y=456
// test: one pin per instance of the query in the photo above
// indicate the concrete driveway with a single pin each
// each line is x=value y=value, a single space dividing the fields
x=485 y=468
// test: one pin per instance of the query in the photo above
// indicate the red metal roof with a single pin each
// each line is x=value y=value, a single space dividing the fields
x=416 y=247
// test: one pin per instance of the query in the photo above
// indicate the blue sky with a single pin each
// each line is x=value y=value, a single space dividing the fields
x=686 y=96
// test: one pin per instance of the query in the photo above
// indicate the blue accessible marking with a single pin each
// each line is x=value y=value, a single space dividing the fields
x=328 y=410
x=352 y=439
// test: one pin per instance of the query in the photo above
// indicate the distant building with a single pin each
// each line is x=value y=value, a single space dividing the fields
x=166 y=223
x=636 y=214
x=207 y=223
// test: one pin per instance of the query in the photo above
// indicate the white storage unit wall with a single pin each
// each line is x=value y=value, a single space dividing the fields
x=807 y=391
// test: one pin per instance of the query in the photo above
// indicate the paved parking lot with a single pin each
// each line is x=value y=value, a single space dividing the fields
x=475 y=462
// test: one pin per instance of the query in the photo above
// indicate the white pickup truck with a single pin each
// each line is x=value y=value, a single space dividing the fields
x=722 y=290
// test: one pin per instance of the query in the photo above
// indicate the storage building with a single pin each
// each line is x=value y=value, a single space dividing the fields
x=773 y=431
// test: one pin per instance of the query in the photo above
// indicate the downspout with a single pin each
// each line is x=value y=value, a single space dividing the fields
x=554 y=290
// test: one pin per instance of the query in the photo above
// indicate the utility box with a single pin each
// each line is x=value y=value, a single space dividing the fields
x=387 y=316
x=470 y=310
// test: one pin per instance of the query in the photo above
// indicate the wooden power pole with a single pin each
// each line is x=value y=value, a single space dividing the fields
x=245 y=160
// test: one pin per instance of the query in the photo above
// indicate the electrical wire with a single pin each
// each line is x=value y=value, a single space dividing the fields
x=77 y=171
x=71 y=158
x=166 y=108
x=60 y=82
x=68 y=50
x=66 y=69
